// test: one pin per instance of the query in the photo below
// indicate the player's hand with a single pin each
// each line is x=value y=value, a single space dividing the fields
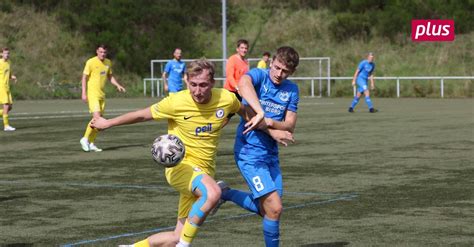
x=99 y=123
x=372 y=87
x=253 y=122
x=121 y=89
x=282 y=136
x=353 y=83
x=84 y=98
x=14 y=78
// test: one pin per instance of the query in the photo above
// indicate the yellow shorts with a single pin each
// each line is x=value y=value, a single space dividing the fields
x=96 y=105
x=5 y=96
x=180 y=177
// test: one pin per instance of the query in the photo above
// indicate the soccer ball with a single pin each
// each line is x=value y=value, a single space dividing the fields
x=168 y=150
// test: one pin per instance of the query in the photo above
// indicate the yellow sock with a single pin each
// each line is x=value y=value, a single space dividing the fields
x=88 y=131
x=5 y=120
x=93 y=135
x=143 y=243
x=189 y=231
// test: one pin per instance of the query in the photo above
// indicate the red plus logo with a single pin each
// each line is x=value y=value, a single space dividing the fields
x=432 y=30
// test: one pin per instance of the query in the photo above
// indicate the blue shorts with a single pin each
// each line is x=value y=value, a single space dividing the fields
x=262 y=174
x=361 y=85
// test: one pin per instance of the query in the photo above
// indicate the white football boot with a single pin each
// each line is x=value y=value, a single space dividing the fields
x=85 y=144
x=93 y=147
x=8 y=128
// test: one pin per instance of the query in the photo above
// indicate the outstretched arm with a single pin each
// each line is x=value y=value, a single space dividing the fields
x=288 y=124
x=247 y=91
x=283 y=137
x=119 y=87
x=128 y=118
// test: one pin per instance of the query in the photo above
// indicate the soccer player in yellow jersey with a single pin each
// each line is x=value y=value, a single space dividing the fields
x=5 y=95
x=194 y=115
x=263 y=63
x=96 y=73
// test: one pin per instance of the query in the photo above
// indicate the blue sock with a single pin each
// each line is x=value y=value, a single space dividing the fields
x=271 y=232
x=369 y=102
x=354 y=102
x=243 y=199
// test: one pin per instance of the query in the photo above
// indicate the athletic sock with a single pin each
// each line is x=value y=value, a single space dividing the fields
x=369 y=102
x=188 y=233
x=354 y=102
x=5 y=120
x=143 y=243
x=93 y=135
x=88 y=132
x=271 y=232
x=243 y=199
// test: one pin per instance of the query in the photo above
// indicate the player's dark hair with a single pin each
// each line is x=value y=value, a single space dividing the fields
x=288 y=56
x=266 y=54
x=103 y=46
x=242 y=41
x=5 y=49
x=196 y=67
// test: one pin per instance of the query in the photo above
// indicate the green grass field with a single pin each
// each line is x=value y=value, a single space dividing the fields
x=400 y=177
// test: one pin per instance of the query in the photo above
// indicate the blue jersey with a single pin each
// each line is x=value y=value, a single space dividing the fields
x=175 y=70
x=365 y=70
x=275 y=101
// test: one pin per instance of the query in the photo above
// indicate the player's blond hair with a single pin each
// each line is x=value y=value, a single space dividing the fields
x=198 y=66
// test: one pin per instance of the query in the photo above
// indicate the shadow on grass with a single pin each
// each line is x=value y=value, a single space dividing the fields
x=333 y=244
x=9 y=198
x=123 y=147
x=17 y=245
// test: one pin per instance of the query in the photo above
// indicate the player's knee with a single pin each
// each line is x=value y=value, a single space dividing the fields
x=213 y=195
x=275 y=210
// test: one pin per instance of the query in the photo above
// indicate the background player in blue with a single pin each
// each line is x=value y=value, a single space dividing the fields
x=364 y=72
x=274 y=99
x=175 y=71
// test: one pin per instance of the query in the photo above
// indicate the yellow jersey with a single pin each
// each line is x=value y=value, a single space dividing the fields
x=262 y=64
x=5 y=74
x=197 y=125
x=98 y=72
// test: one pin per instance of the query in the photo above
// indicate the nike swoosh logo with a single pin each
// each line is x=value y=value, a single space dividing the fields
x=187 y=117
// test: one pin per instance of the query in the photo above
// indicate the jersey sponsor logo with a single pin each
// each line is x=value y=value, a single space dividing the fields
x=103 y=72
x=284 y=96
x=203 y=129
x=220 y=113
x=271 y=107
x=432 y=30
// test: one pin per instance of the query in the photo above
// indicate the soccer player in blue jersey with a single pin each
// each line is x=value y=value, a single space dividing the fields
x=363 y=73
x=274 y=100
x=175 y=71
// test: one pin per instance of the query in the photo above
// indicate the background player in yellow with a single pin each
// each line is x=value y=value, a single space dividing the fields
x=263 y=63
x=5 y=95
x=96 y=73
x=194 y=115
